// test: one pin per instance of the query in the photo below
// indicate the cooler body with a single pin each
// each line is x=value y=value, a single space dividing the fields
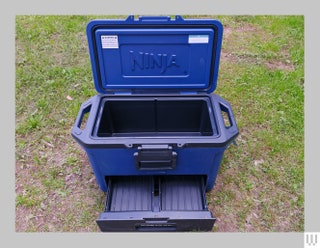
x=156 y=133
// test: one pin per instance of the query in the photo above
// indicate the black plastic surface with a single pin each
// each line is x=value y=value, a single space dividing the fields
x=182 y=194
x=152 y=203
x=154 y=117
x=100 y=130
x=130 y=193
x=155 y=157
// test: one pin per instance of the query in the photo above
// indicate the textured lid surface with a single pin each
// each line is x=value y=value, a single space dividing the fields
x=155 y=54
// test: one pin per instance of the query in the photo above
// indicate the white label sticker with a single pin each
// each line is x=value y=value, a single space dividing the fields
x=198 y=39
x=109 y=41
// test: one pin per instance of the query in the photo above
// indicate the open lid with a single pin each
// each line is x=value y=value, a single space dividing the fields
x=155 y=54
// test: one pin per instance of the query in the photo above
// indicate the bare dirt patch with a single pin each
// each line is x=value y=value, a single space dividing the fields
x=279 y=65
x=245 y=32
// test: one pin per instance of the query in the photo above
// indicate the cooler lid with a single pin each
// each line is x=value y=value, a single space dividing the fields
x=155 y=54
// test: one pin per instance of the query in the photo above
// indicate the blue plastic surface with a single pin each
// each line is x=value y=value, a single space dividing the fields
x=191 y=161
x=155 y=54
x=166 y=65
x=115 y=156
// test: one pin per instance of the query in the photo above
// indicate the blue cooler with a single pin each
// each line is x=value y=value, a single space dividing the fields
x=155 y=134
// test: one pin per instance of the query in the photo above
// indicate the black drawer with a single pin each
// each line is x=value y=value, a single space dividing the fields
x=156 y=203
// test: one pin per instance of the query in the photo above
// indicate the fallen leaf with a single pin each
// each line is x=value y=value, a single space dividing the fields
x=69 y=98
x=257 y=162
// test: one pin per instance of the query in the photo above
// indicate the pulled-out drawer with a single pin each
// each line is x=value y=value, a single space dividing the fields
x=156 y=203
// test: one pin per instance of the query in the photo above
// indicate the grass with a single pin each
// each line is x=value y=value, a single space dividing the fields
x=263 y=79
x=260 y=185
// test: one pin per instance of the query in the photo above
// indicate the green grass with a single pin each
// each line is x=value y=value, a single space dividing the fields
x=267 y=167
x=260 y=185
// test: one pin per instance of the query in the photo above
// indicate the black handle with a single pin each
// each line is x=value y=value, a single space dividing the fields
x=156 y=227
x=155 y=157
x=226 y=119
x=156 y=224
x=79 y=126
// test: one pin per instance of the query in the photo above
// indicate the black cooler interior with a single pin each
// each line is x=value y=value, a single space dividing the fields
x=155 y=117
x=156 y=203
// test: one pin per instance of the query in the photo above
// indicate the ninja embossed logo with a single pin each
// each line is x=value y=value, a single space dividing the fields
x=152 y=61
